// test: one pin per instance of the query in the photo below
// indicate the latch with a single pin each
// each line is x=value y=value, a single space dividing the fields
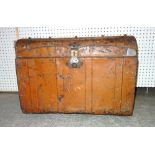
x=74 y=61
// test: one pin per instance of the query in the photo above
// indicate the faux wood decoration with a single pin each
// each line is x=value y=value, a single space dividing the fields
x=77 y=75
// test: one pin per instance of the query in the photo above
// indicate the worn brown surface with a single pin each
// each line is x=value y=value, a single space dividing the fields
x=104 y=84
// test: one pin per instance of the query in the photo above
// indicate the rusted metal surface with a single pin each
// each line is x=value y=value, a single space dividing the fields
x=103 y=83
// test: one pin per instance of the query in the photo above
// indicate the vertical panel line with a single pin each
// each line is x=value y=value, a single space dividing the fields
x=114 y=102
x=92 y=84
x=122 y=83
x=57 y=84
x=29 y=81
x=85 y=84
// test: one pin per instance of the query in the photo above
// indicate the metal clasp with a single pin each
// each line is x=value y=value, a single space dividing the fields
x=74 y=61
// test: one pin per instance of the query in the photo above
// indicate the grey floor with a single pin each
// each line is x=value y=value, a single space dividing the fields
x=144 y=114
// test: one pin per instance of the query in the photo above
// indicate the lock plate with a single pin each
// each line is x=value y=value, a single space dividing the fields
x=74 y=61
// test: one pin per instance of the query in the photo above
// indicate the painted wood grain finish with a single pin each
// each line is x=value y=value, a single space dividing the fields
x=102 y=85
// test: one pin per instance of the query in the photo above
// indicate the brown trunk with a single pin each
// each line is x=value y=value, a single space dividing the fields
x=78 y=75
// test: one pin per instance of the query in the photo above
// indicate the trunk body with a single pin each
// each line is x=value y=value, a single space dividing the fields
x=77 y=75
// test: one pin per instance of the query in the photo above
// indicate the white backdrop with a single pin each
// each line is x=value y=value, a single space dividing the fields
x=145 y=37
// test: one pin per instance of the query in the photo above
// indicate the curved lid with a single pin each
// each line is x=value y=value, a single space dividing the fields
x=25 y=45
